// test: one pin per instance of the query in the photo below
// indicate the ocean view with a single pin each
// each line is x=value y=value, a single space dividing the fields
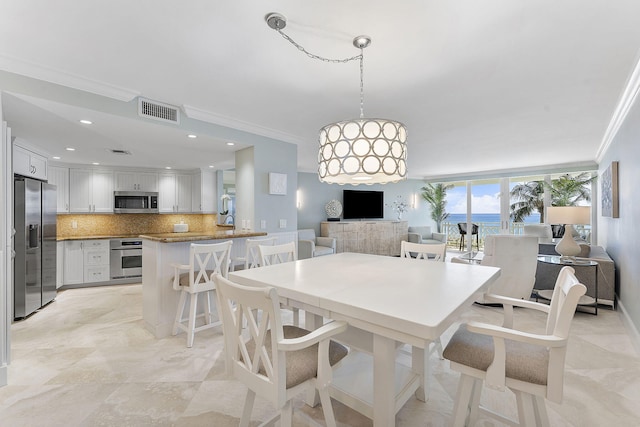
x=491 y=217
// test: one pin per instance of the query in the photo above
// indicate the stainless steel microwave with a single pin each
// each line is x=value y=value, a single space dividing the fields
x=135 y=202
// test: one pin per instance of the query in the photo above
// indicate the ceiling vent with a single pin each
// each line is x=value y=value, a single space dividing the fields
x=158 y=111
x=122 y=152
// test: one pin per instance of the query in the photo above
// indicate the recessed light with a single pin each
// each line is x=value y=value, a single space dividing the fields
x=86 y=122
x=95 y=163
x=56 y=157
x=70 y=149
x=211 y=166
x=192 y=136
x=231 y=143
x=167 y=167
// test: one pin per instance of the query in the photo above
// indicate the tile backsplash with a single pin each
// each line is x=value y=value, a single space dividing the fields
x=131 y=224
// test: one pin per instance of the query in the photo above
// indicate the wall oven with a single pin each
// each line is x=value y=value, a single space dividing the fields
x=126 y=258
x=135 y=202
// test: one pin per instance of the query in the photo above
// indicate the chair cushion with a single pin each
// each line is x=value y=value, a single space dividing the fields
x=322 y=250
x=525 y=362
x=184 y=278
x=301 y=364
x=423 y=231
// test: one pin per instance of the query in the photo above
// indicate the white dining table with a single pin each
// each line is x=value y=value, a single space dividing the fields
x=394 y=300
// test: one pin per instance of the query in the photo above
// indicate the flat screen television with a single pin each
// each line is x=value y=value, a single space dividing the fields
x=359 y=204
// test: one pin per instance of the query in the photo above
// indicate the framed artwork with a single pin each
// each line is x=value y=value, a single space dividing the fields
x=609 y=191
x=277 y=183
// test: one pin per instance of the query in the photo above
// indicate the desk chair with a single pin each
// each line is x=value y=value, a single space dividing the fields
x=462 y=229
x=530 y=365
x=274 y=361
x=277 y=254
x=251 y=258
x=205 y=260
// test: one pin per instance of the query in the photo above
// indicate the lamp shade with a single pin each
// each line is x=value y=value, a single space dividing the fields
x=569 y=215
x=363 y=151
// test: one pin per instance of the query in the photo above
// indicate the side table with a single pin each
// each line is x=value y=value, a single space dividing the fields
x=585 y=300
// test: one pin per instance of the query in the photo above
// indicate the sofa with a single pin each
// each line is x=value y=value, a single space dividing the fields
x=546 y=273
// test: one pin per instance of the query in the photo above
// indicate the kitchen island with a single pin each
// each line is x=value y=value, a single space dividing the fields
x=159 y=252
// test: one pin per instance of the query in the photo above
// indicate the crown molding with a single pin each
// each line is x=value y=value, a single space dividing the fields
x=52 y=75
x=209 y=117
x=625 y=103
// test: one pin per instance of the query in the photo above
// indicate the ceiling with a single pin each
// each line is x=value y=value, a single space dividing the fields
x=482 y=86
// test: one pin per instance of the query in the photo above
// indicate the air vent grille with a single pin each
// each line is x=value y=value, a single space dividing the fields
x=158 y=111
x=122 y=152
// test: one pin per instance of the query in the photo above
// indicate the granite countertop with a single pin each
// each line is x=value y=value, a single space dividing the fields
x=195 y=236
x=110 y=236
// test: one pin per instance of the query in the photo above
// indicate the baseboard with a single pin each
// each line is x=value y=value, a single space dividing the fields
x=630 y=326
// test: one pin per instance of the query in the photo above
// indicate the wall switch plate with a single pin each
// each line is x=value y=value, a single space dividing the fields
x=74 y=224
x=283 y=223
x=263 y=224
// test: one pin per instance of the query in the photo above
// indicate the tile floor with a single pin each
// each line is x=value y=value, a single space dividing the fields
x=87 y=360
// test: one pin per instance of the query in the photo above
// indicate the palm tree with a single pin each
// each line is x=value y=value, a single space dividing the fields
x=436 y=196
x=566 y=190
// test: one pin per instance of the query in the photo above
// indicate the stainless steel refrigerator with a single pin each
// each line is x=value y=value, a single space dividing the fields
x=34 y=219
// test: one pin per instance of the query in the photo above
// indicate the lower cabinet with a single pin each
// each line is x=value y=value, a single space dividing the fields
x=369 y=237
x=86 y=261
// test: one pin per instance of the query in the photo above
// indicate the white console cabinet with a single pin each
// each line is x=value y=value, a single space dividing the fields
x=369 y=237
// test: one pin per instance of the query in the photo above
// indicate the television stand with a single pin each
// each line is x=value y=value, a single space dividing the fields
x=367 y=237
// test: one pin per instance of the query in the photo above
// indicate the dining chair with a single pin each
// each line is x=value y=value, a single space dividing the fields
x=278 y=254
x=195 y=278
x=529 y=364
x=276 y=362
x=251 y=258
x=428 y=251
x=462 y=229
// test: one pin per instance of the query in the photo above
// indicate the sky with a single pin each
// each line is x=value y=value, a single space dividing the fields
x=484 y=199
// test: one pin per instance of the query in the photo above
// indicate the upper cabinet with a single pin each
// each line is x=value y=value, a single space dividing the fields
x=28 y=163
x=136 y=181
x=174 y=193
x=59 y=177
x=90 y=191
x=203 y=192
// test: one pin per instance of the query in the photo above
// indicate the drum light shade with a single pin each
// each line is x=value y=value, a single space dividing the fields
x=363 y=151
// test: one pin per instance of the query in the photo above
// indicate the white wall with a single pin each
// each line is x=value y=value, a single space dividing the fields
x=620 y=236
x=6 y=300
x=314 y=195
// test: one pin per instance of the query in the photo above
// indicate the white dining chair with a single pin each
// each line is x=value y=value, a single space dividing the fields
x=428 y=251
x=276 y=362
x=195 y=278
x=251 y=258
x=529 y=364
x=277 y=254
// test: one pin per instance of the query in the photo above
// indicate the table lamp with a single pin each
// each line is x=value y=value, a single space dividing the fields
x=568 y=216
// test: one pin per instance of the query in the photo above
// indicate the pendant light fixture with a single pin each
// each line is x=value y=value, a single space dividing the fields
x=356 y=151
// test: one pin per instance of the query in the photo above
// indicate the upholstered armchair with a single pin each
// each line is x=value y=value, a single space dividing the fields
x=542 y=231
x=517 y=257
x=310 y=246
x=423 y=234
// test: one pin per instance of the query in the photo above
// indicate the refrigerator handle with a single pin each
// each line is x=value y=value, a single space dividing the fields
x=34 y=236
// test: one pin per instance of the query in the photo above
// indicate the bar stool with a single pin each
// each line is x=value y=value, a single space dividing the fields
x=205 y=261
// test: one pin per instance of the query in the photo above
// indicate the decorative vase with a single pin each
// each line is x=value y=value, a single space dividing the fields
x=399 y=216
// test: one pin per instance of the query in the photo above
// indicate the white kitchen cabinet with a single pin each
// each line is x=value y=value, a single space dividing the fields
x=136 y=181
x=59 y=264
x=203 y=192
x=86 y=261
x=59 y=177
x=28 y=163
x=73 y=262
x=90 y=191
x=174 y=194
